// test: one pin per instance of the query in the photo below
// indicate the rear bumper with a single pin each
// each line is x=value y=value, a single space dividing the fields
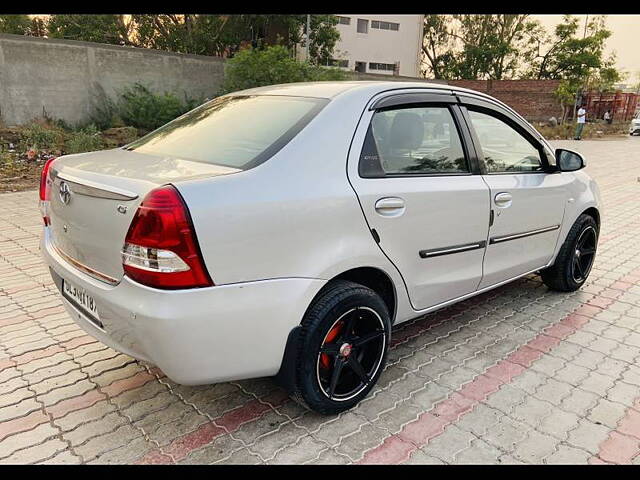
x=195 y=336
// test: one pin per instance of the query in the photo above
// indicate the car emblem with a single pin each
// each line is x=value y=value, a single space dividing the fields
x=64 y=193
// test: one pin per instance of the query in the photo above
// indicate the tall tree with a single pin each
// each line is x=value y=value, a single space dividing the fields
x=91 y=28
x=224 y=35
x=437 y=46
x=491 y=46
x=38 y=27
x=577 y=60
x=477 y=46
x=221 y=35
x=568 y=56
x=16 y=24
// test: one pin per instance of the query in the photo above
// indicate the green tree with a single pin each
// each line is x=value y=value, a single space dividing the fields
x=568 y=56
x=323 y=36
x=38 y=27
x=111 y=29
x=272 y=65
x=477 y=46
x=224 y=35
x=16 y=24
x=186 y=33
x=491 y=46
x=565 y=93
x=437 y=46
x=576 y=60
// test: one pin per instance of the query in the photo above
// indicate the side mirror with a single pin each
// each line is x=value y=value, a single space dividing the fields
x=569 y=161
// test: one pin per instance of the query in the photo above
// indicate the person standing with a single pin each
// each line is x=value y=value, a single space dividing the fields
x=607 y=117
x=581 y=118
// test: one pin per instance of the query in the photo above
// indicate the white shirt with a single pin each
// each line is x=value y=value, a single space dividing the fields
x=582 y=115
x=607 y=116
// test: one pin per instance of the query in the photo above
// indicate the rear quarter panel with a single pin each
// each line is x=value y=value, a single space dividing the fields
x=295 y=215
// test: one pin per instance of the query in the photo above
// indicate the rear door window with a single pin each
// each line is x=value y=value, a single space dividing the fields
x=413 y=141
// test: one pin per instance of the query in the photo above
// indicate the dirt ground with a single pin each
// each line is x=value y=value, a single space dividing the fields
x=17 y=176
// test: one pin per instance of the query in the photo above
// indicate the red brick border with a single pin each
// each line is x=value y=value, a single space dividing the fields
x=623 y=443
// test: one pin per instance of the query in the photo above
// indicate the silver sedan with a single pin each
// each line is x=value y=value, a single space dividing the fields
x=282 y=231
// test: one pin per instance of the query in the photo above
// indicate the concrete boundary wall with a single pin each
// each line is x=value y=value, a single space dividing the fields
x=65 y=78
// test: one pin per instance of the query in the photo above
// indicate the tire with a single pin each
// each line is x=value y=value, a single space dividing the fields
x=345 y=313
x=573 y=264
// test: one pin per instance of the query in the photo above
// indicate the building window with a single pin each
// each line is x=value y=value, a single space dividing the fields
x=333 y=62
x=382 y=66
x=385 y=25
x=344 y=20
x=363 y=26
x=361 y=67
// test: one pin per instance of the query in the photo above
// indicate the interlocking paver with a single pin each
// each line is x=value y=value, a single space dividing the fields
x=566 y=455
x=516 y=375
x=588 y=435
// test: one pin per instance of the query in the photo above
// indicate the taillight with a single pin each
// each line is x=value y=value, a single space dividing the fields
x=161 y=249
x=45 y=190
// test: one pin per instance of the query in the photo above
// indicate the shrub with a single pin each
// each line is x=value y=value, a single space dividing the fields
x=87 y=139
x=251 y=68
x=140 y=107
x=41 y=136
x=105 y=113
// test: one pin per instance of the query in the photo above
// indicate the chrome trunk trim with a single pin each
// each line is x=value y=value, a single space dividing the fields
x=88 y=270
x=93 y=189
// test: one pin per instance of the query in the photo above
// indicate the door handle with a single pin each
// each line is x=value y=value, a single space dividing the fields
x=390 y=206
x=503 y=199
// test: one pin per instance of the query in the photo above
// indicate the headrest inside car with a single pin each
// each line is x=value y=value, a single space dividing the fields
x=407 y=131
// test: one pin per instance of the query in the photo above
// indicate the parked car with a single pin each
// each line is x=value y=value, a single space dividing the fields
x=634 y=127
x=282 y=231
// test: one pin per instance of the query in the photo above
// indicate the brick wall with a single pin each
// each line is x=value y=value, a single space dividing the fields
x=533 y=99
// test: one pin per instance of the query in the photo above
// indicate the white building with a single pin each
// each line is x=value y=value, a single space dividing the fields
x=385 y=44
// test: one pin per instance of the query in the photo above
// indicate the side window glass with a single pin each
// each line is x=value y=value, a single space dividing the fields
x=422 y=140
x=504 y=149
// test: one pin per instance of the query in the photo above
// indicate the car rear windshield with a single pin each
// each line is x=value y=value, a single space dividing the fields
x=236 y=131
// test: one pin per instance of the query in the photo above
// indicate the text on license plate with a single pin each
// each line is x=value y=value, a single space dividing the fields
x=80 y=297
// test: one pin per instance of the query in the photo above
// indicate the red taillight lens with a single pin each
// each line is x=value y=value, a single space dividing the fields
x=45 y=186
x=161 y=249
x=45 y=190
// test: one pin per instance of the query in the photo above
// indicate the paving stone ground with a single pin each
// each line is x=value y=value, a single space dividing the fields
x=518 y=375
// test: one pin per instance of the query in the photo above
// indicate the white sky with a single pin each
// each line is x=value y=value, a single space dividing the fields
x=624 y=40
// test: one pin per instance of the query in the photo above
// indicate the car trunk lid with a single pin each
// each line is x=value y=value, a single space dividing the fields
x=94 y=197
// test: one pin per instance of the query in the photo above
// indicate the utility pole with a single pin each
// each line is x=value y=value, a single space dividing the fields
x=584 y=35
x=586 y=21
x=308 y=39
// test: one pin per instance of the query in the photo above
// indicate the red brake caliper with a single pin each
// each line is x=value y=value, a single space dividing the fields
x=325 y=360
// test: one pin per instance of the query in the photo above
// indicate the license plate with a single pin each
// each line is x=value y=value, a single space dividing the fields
x=81 y=299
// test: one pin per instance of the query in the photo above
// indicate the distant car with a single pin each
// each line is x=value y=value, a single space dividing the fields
x=282 y=231
x=635 y=124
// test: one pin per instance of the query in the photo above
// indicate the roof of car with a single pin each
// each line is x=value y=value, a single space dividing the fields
x=368 y=89
x=332 y=89
x=365 y=88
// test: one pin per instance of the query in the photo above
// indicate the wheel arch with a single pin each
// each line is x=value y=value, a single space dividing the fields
x=372 y=277
x=378 y=281
x=593 y=212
